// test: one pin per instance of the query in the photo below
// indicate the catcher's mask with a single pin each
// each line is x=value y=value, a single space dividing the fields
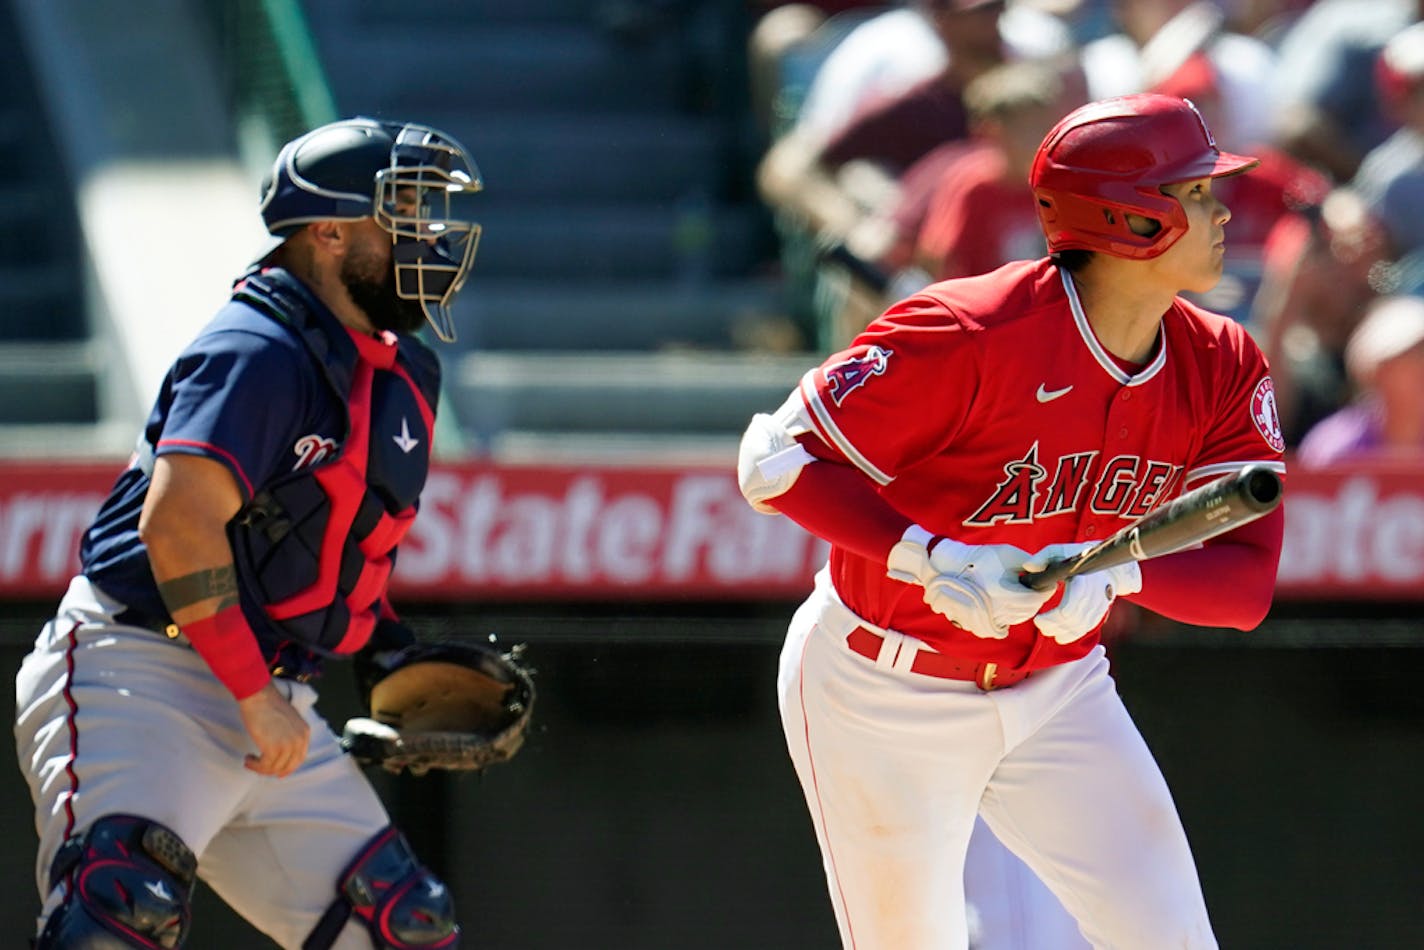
x=417 y=183
x=1108 y=159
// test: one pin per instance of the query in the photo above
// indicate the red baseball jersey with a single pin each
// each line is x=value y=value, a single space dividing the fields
x=986 y=410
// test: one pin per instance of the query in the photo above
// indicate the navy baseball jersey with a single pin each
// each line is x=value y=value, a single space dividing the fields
x=284 y=396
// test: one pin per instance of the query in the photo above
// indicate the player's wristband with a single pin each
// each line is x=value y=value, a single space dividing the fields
x=228 y=645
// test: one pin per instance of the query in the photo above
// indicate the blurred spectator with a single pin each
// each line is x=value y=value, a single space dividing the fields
x=887 y=54
x=1391 y=177
x=1086 y=20
x=1266 y=20
x=892 y=133
x=885 y=136
x=878 y=59
x=967 y=200
x=982 y=213
x=1278 y=185
x=1327 y=110
x=823 y=8
x=787 y=46
x=889 y=238
x=1385 y=360
x=1322 y=267
x=776 y=32
x=1160 y=36
x=821 y=187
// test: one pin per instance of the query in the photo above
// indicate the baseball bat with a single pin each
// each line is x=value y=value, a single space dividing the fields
x=1202 y=513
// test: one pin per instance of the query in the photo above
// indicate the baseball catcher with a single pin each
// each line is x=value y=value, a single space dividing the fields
x=456 y=706
x=246 y=548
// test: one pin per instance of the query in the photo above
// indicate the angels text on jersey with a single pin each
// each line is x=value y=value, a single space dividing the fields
x=1127 y=486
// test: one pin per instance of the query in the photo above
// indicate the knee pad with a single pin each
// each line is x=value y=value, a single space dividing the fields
x=129 y=883
x=402 y=904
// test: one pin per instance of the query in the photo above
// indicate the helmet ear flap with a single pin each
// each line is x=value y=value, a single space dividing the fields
x=1105 y=222
x=1108 y=160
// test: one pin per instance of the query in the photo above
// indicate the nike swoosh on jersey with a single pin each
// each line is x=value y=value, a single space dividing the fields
x=1045 y=396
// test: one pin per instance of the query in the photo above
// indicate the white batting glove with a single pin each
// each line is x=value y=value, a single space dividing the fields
x=1086 y=598
x=976 y=587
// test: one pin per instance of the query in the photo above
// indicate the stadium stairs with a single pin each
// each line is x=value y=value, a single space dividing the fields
x=127 y=215
x=49 y=400
x=619 y=298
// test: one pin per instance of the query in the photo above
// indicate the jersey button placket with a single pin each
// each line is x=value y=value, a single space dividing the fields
x=1118 y=413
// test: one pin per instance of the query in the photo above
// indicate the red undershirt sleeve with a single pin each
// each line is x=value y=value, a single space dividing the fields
x=1228 y=582
x=837 y=503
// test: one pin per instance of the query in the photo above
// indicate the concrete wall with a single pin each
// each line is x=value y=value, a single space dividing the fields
x=166 y=212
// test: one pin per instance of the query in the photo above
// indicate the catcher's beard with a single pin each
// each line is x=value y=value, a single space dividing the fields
x=370 y=279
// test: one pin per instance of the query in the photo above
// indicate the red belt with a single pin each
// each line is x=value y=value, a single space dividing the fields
x=986 y=676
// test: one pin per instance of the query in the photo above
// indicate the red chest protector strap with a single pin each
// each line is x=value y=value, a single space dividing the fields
x=356 y=518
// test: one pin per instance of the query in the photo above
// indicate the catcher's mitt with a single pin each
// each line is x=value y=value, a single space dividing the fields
x=455 y=706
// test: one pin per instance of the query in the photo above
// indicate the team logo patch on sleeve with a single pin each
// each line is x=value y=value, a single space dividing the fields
x=847 y=376
x=1265 y=416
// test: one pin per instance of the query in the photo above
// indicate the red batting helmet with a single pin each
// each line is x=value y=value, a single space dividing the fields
x=1106 y=159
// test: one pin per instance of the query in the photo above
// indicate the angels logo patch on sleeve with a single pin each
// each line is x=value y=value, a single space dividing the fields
x=1265 y=416
x=847 y=376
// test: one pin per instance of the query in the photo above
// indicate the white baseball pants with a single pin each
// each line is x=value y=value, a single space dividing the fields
x=896 y=765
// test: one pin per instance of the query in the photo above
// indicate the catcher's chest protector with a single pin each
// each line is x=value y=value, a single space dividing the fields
x=316 y=547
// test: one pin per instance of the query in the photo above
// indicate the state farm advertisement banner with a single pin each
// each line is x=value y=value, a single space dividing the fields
x=1354 y=532
x=519 y=532
x=599 y=532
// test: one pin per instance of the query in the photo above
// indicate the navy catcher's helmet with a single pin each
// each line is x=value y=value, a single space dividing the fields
x=355 y=168
x=1107 y=159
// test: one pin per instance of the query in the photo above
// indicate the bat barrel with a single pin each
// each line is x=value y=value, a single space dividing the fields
x=1197 y=516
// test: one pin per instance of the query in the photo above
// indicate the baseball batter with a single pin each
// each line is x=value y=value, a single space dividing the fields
x=986 y=426
x=165 y=716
